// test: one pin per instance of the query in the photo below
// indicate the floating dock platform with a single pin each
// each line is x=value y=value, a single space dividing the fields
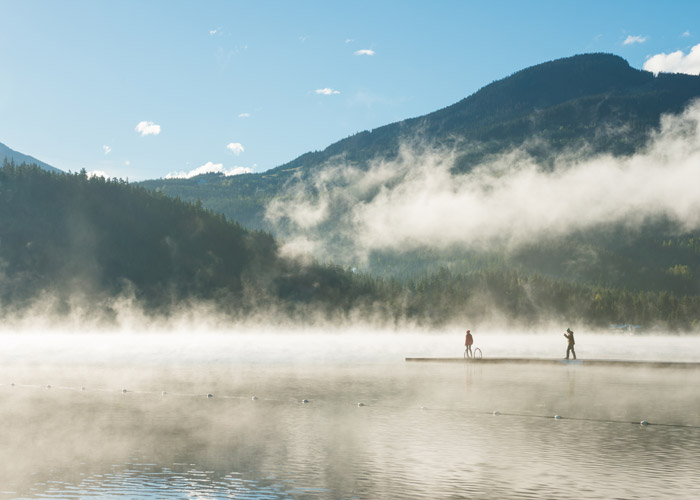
x=566 y=362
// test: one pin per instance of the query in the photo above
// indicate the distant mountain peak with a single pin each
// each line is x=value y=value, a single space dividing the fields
x=19 y=158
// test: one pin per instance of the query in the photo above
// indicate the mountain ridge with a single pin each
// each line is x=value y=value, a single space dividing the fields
x=594 y=100
x=589 y=104
x=18 y=158
x=525 y=92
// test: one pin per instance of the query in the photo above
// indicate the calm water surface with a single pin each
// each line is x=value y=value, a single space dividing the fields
x=424 y=430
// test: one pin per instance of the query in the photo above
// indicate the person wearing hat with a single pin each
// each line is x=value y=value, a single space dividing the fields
x=468 y=342
x=570 y=337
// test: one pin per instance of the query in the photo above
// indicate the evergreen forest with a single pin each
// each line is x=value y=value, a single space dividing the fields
x=68 y=239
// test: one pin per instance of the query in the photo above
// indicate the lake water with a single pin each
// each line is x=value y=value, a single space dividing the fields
x=424 y=431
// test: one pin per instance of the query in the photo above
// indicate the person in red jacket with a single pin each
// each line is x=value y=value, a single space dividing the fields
x=468 y=342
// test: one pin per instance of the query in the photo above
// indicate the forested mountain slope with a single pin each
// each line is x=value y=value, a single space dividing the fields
x=18 y=158
x=70 y=239
x=70 y=244
x=587 y=105
x=593 y=101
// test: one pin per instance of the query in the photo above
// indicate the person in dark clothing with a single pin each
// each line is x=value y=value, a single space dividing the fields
x=570 y=348
x=468 y=342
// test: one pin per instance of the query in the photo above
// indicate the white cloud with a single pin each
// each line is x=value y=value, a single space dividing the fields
x=244 y=115
x=327 y=91
x=209 y=168
x=235 y=147
x=631 y=39
x=349 y=40
x=216 y=31
x=127 y=163
x=685 y=34
x=147 y=128
x=416 y=201
x=364 y=52
x=106 y=149
x=98 y=173
x=675 y=62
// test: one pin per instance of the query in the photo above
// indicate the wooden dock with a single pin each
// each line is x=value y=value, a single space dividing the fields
x=563 y=362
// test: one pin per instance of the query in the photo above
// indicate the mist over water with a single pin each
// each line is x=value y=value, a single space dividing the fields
x=191 y=406
x=425 y=430
x=304 y=346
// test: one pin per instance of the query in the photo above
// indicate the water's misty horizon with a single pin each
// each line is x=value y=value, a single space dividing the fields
x=422 y=431
x=269 y=345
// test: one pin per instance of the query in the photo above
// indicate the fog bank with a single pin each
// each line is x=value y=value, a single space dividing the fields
x=270 y=346
x=343 y=212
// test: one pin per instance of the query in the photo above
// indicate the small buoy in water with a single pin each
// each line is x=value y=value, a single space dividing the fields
x=304 y=401
x=360 y=404
x=163 y=393
x=423 y=408
x=124 y=391
x=643 y=423
x=254 y=398
x=496 y=413
x=82 y=388
x=557 y=417
x=12 y=384
x=48 y=386
x=210 y=395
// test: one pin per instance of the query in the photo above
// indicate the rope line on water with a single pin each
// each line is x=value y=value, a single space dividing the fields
x=145 y=392
x=643 y=423
x=497 y=413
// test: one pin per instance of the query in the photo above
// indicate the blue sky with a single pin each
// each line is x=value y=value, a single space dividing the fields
x=141 y=90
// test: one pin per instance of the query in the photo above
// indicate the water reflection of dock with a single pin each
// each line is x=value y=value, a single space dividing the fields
x=574 y=362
